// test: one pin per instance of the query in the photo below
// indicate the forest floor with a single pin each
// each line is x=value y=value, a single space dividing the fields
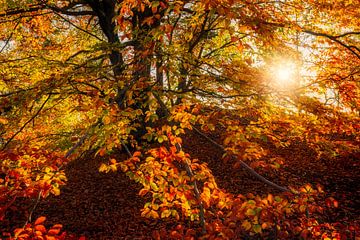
x=107 y=205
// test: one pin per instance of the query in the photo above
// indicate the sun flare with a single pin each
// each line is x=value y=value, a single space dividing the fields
x=284 y=74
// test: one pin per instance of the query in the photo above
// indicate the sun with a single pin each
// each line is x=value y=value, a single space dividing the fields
x=284 y=73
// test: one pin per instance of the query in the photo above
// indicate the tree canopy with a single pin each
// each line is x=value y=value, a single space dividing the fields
x=137 y=75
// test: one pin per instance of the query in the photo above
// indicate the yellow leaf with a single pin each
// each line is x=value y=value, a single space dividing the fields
x=165 y=213
x=206 y=192
x=113 y=167
x=250 y=212
x=47 y=177
x=211 y=185
x=55 y=191
x=103 y=168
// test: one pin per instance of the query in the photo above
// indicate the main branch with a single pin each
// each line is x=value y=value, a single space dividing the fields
x=353 y=49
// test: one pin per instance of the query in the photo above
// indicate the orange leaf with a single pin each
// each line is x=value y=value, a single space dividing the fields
x=40 y=228
x=143 y=192
x=40 y=220
x=57 y=226
x=106 y=120
x=270 y=198
x=3 y=120
x=246 y=225
x=54 y=231
x=18 y=231
x=154 y=214
x=175 y=235
x=102 y=152
x=23 y=236
x=137 y=154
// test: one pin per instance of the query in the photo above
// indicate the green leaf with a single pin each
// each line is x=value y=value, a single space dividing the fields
x=155 y=4
x=154 y=186
x=250 y=212
x=257 y=228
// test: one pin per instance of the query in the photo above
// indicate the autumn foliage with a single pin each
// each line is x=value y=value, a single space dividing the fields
x=256 y=79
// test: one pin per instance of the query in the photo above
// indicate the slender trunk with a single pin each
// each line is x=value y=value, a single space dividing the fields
x=183 y=84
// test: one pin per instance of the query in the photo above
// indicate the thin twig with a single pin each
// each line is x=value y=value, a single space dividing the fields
x=77 y=27
x=196 y=191
x=30 y=120
x=355 y=50
x=243 y=164
x=78 y=144
x=33 y=209
x=9 y=38
x=126 y=149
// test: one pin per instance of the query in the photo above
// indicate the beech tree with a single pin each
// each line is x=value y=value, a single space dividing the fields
x=108 y=75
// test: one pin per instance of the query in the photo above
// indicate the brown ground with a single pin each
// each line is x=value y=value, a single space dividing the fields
x=107 y=206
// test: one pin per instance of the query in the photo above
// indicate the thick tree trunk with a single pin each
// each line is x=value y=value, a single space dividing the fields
x=105 y=11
